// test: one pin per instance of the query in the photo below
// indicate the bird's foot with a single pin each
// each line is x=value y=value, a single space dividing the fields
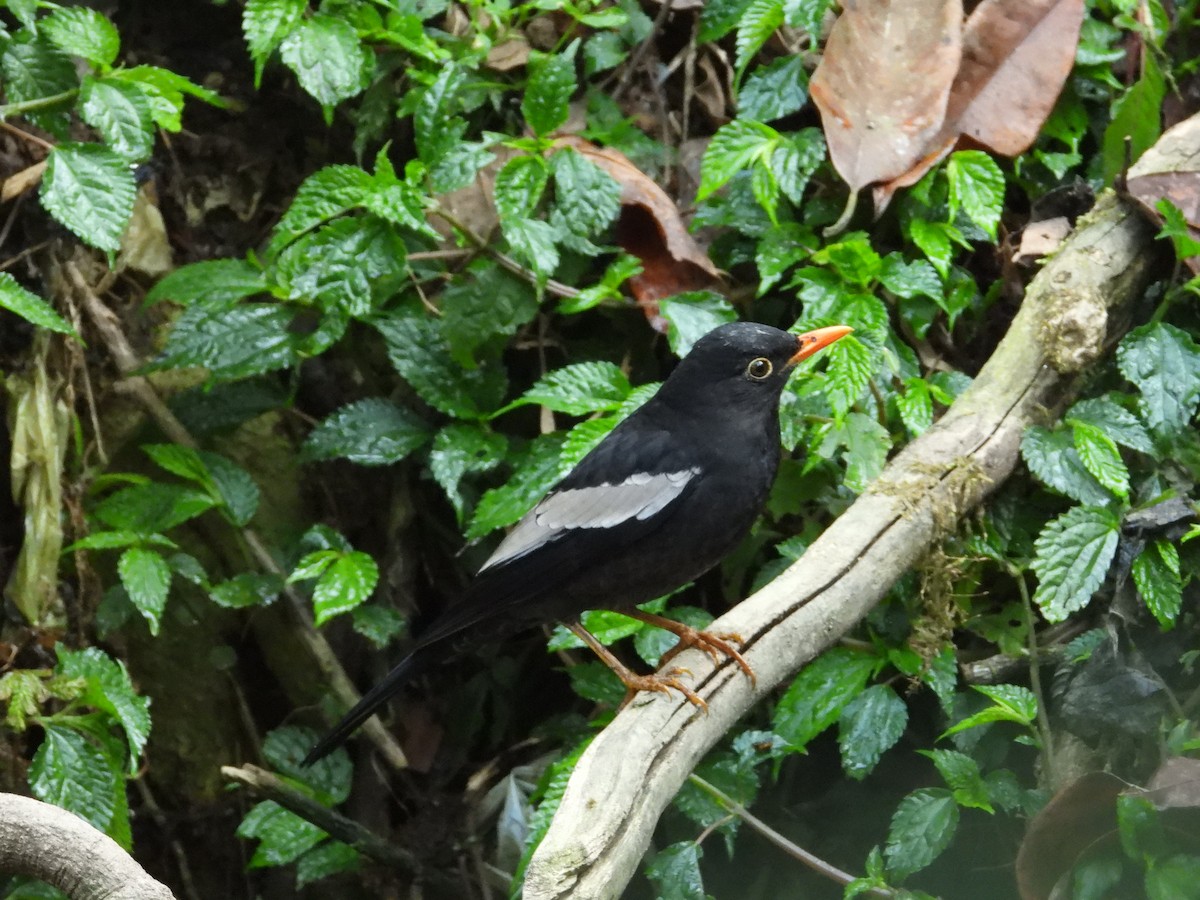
x=660 y=682
x=712 y=644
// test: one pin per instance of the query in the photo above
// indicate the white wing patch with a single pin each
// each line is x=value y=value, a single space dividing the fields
x=638 y=497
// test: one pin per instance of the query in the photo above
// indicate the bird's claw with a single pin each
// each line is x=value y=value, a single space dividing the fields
x=714 y=645
x=662 y=682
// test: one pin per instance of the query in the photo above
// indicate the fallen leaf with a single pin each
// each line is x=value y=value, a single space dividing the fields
x=512 y=54
x=1182 y=189
x=1040 y=239
x=883 y=84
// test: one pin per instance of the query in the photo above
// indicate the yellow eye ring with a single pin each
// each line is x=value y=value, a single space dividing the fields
x=760 y=368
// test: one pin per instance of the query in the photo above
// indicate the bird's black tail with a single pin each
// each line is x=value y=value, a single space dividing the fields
x=366 y=707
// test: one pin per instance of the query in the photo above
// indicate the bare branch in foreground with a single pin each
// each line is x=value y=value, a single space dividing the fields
x=61 y=849
x=632 y=770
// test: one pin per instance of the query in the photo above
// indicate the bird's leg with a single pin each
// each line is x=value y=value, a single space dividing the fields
x=661 y=681
x=712 y=644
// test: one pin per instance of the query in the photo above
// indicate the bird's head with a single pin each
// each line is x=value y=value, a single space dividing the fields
x=748 y=363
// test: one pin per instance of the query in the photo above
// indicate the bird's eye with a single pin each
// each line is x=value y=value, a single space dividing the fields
x=759 y=368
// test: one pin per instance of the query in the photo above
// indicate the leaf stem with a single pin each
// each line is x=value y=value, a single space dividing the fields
x=23 y=107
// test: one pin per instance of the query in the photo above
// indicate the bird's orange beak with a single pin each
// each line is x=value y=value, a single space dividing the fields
x=812 y=341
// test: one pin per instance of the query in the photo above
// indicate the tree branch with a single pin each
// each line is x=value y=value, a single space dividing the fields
x=61 y=849
x=631 y=771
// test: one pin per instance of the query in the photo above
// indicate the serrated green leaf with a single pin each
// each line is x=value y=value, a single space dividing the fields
x=675 y=872
x=775 y=90
x=933 y=239
x=378 y=624
x=151 y=508
x=817 y=696
x=420 y=353
x=755 y=26
x=806 y=14
x=234 y=486
x=371 y=432
x=460 y=448
x=324 y=195
x=915 y=405
x=329 y=60
x=923 y=827
x=910 y=279
x=329 y=858
x=586 y=198
x=870 y=725
x=344 y=585
x=146 y=578
x=1176 y=877
x=1011 y=703
x=34 y=69
x=213 y=282
x=23 y=691
x=329 y=778
x=1114 y=420
x=265 y=24
x=354 y=263
x=520 y=185
x=977 y=186
x=1156 y=574
x=961 y=774
x=179 y=460
x=83 y=32
x=485 y=301
x=109 y=689
x=867 y=445
x=652 y=643
x=1072 y=556
x=282 y=835
x=692 y=315
x=545 y=103
x=1052 y=457
x=535 y=242
x=733 y=148
x=850 y=365
x=72 y=773
x=584 y=437
x=30 y=307
x=719 y=17
x=1100 y=456
x=90 y=190
x=580 y=388
x=1136 y=121
x=1164 y=362
x=795 y=159
x=435 y=126
x=247 y=589
x=536 y=472
x=164 y=91
x=121 y=113
x=231 y=343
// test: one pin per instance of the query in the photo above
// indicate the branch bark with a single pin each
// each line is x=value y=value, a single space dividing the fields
x=61 y=849
x=633 y=769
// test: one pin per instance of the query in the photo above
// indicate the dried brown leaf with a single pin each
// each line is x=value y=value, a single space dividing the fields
x=883 y=84
x=1182 y=189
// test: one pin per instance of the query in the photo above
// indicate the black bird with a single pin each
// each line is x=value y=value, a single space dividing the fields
x=657 y=503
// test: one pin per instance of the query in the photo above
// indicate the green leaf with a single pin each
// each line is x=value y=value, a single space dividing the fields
x=72 y=773
x=120 y=111
x=164 y=90
x=850 y=365
x=344 y=585
x=353 y=264
x=1136 y=116
x=1100 y=456
x=30 y=307
x=806 y=14
x=111 y=540
x=1052 y=457
x=247 y=589
x=23 y=690
x=923 y=826
x=152 y=507
x=179 y=460
x=1164 y=362
x=579 y=389
x=146 y=578
x=265 y=24
x=232 y=343
x=371 y=432
x=213 y=282
x=34 y=69
x=775 y=90
x=817 y=696
x=755 y=27
x=435 y=127
x=870 y=725
x=1156 y=574
x=692 y=315
x=1114 y=420
x=330 y=858
x=977 y=187
x=420 y=353
x=520 y=185
x=109 y=689
x=460 y=448
x=90 y=190
x=83 y=32
x=379 y=624
x=733 y=148
x=535 y=242
x=933 y=239
x=597 y=683
x=1176 y=877
x=795 y=159
x=675 y=871
x=1011 y=703
x=1177 y=229
x=282 y=835
x=329 y=779
x=911 y=279
x=1072 y=556
x=652 y=643
x=1140 y=827
x=324 y=195
x=549 y=90
x=329 y=60
x=915 y=405
x=536 y=472
x=586 y=198
x=719 y=17
x=961 y=774
x=485 y=301
x=867 y=444
x=233 y=486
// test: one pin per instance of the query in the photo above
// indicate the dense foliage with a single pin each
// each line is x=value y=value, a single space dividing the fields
x=385 y=288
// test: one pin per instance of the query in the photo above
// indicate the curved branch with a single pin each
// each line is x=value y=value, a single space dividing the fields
x=633 y=769
x=59 y=848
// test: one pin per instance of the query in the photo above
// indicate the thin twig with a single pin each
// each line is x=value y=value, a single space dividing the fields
x=1035 y=671
x=635 y=58
x=818 y=865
